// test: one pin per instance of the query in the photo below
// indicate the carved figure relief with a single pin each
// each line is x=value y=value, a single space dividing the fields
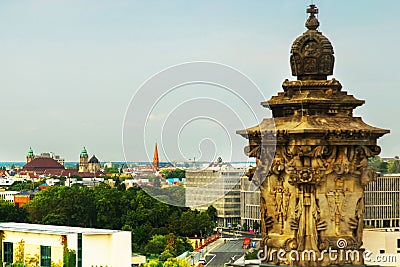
x=310 y=65
x=311 y=49
x=281 y=198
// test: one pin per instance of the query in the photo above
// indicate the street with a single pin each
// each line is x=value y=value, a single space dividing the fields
x=222 y=254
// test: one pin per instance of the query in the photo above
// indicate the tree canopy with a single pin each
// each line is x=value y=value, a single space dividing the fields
x=132 y=210
x=11 y=213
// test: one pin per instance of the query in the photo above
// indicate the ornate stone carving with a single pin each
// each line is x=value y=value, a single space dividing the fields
x=312 y=53
x=312 y=186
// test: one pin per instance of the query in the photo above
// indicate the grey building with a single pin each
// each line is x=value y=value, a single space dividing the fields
x=249 y=203
x=217 y=185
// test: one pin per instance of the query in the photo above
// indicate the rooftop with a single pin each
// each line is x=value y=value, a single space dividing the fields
x=46 y=163
x=53 y=229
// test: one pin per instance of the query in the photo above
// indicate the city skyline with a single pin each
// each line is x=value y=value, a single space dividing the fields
x=69 y=69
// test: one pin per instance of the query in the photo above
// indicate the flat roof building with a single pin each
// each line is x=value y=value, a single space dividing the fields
x=46 y=245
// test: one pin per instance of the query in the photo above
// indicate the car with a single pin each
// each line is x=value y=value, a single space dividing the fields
x=202 y=261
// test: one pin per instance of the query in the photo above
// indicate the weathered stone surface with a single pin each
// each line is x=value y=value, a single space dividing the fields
x=312 y=193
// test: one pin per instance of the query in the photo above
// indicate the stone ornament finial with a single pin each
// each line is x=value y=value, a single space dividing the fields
x=312 y=53
x=312 y=22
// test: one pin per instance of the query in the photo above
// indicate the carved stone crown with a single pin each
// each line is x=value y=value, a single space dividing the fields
x=312 y=53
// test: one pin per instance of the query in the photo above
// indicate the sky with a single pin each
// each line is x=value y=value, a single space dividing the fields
x=97 y=73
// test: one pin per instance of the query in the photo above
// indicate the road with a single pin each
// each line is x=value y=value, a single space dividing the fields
x=223 y=253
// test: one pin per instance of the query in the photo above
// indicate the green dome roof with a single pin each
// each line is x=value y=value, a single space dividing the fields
x=30 y=152
x=84 y=152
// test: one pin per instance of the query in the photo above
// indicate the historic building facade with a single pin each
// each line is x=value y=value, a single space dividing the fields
x=312 y=160
x=83 y=161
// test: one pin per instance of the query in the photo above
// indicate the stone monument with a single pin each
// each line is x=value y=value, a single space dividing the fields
x=312 y=162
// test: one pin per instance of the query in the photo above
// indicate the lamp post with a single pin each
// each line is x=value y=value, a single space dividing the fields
x=192 y=260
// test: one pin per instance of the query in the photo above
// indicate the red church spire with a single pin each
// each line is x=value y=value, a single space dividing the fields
x=155 y=158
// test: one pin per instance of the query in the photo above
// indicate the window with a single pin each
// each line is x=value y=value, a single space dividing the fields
x=45 y=256
x=8 y=252
x=79 y=249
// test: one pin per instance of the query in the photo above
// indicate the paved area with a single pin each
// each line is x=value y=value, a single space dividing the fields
x=224 y=253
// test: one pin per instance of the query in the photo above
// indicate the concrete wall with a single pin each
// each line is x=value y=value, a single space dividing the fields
x=382 y=244
x=111 y=250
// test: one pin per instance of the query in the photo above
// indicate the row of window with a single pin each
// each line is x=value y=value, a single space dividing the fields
x=8 y=254
x=385 y=184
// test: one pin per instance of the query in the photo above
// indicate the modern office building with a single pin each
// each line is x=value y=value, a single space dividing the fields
x=47 y=245
x=217 y=185
x=382 y=202
x=249 y=203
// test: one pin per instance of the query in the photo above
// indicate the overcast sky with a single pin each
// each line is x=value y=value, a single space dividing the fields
x=69 y=69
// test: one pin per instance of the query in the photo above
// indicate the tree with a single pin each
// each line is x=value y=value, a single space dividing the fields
x=111 y=170
x=393 y=166
x=212 y=213
x=188 y=224
x=156 y=245
x=378 y=164
x=165 y=255
x=256 y=226
x=176 y=173
x=170 y=244
x=153 y=263
x=108 y=205
x=28 y=185
x=63 y=205
x=11 y=213
x=173 y=262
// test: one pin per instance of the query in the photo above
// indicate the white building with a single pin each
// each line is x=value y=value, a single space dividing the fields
x=45 y=245
x=382 y=202
x=8 y=195
x=383 y=246
x=250 y=203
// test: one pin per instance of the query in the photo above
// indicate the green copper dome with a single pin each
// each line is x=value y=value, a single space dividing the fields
x=84 y=153
x=30 y=152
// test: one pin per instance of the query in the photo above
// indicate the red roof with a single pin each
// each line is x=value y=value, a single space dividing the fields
x=90 y=174
x=42 y=164
x=69 y=172
x=61 y=172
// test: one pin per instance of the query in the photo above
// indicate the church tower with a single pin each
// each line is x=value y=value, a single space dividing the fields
x=30 y=156
x=94 y=164
x=156 y=161
x=83 y=161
